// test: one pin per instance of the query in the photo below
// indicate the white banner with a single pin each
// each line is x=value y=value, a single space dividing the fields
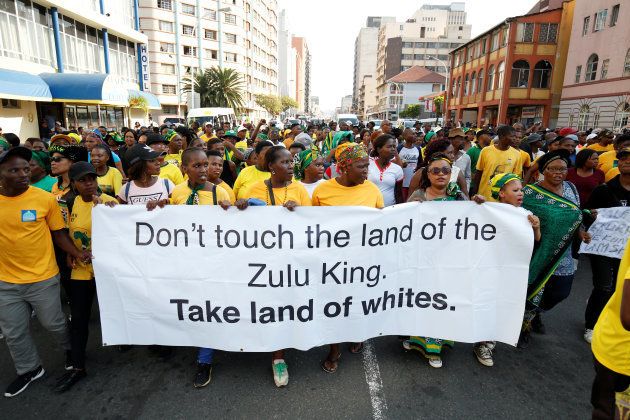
x=609 y=232
x=265 y=278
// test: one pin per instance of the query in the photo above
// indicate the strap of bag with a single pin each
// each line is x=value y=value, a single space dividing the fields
x=272 y=199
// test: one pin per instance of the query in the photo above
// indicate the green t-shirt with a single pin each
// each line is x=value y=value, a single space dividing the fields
x=46 y=183
x=473 y=152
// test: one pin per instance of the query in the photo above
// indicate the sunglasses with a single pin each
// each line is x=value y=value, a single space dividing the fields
x=57 y=159
x=436 y=171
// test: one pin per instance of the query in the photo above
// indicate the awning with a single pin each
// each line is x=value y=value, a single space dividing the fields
x=23 y=86
x=87 y=88
x=432 y=95
x=152 y=100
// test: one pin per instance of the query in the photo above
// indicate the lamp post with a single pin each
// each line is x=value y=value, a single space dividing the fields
x=445 y=70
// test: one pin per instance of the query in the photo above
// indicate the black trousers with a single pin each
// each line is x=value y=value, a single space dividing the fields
x=81 y=297
x=604 y=271
x=557 y=289
x=605 y=385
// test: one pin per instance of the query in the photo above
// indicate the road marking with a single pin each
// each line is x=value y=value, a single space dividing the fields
x=373 y=379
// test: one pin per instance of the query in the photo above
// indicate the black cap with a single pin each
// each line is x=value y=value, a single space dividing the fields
x=20 y=151
x=533 y=138
x=139 y=152
x=155 y=138
x=80 y=169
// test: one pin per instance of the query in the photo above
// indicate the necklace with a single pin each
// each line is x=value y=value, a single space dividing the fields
x=284 y=200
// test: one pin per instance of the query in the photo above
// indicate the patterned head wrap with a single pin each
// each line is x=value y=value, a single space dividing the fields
x=98 y=133
x=116 y=137
x=42 y=159
x=74 y=153
x=302 y=160
x=170 y=135
x=348 y=153
x=547 y=158
x=499 y=181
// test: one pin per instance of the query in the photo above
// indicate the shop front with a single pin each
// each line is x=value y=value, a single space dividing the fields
x=527 y=115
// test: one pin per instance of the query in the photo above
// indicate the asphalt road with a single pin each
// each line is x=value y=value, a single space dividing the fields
x=550 y=379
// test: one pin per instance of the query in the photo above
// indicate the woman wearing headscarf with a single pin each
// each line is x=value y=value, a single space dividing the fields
x=338 y=139
x=92 y=138
x=308 y=168
x=175 y=148
x=40 y=168
x=557 y=204
x=350 y=188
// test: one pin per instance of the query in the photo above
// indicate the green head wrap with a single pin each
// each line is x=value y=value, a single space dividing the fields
x=499 y=180
x=339 y=135
x=262 y=136
x=42 y=159
x=4 y=144
x=302 y=160
x=170 y=134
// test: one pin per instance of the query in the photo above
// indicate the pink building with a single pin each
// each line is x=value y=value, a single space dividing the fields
x=596 y=89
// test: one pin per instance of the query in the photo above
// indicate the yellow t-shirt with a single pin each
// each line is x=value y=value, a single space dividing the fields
x=111 y=182
x=600 y=149
x=80 y=224
x=172 y=172
x=248 y=176
x=26 y=247
x=182 y=191
x=611 y=174
x=295 y=191
x=241 y=145
x=607 y=161
x=174 y=158
x=229 y=190
x=611 y=340
x=332 y=193
x=526 y=159
x=206 y=137
x=493 y=161
x=288 y=142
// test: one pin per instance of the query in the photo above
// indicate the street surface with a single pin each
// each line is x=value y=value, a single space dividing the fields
x=550 y=379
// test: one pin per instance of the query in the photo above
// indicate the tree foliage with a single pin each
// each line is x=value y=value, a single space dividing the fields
x=288 y=102
x=438 y=101
x=411 y=111
x=270 y=103
x=217 y=88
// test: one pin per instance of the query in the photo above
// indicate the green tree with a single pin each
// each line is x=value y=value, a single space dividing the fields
x=438 y=101
x=288 y=102
x=270 y=103
x=217 y=88
x=411 y=111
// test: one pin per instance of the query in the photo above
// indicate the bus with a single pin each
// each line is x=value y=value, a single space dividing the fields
x=214 y=116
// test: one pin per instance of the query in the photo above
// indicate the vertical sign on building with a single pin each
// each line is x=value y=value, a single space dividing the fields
x=145 y=83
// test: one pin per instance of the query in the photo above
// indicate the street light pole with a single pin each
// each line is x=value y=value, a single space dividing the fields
x=447 y=86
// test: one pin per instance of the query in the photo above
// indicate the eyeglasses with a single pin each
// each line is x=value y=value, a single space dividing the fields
x=557 y=170
x=57 y=159
x=436 y=171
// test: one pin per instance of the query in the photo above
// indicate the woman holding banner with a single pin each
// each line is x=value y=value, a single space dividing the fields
x=279 y=190
x=350 y=188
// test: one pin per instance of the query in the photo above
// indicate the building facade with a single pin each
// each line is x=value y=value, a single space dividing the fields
x=367 y=96
x=596 y=85
x=302 y=73
x=512 y=72
x=186 y=36
x=52 y=50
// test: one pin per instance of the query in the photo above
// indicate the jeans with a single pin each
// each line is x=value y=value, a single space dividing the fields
x=604 y=271
x=557 y=289
x=81 y=293
x=605 y=385
x=205 y=355
x=16 y=301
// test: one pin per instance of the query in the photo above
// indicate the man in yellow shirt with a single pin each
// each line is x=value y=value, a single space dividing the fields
x=611 y=346
x=608 y=160
x=31 y=221
x=603 y=142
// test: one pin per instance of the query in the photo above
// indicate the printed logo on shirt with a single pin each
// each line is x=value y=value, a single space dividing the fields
x=143 y=199
x=29 y=215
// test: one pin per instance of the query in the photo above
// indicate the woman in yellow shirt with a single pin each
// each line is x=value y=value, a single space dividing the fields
x=252 y=174
x=82 y=287
x=279 y=190
x=109 y=179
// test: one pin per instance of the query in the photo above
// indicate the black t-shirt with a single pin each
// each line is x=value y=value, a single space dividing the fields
x=610 y=194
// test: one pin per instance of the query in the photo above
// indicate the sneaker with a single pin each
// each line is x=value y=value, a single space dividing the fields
x=23 y=381
x=484 y=354
x=588 y=335
x=435 y=361
x=280 y=372
x=68 y=365
x=203 y=376
x=68 y=380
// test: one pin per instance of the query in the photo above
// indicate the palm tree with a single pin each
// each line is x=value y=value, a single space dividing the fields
x=217 y=88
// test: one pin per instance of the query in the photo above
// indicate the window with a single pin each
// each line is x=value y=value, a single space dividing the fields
x=166 y=26
x=458 y=87
x=10 y=103
x=188 y=30
x=483 y=46
x=480 y=81
x=583 y=118
x=520 y=74
x=504 y=36
x=495 y=41
x=230 y=38
x=169 y=109
x=622 y=116
x=188 y=9
x=490 y=79
x=591 y=68
x=191 y=51
x=614 y=15
x=466 y=85
x=209 y=14
x=585 y=25
x=626 y=64
x=164 y=4
x=168 y=68
x=525 y=32
x=542 y=75
x=212 y=54
x=169 y=89
x=600 y=20
x=500 y=73
x=230 y=19
x=166 y=47
x=473 y=83
x=578 y=73
x=210 y=34
x=230 y=57
x=604 y=73
x=548 y=33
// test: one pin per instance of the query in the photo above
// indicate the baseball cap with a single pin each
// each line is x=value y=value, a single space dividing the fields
x=139 y=152
x=65 y=137
x=155 y=138
x=572 y=137
x=623 y=152
x=591 y=136
x=80 y=169
x=230 y=133
x=533 y=138
x=241 y=128
x=455 y=132
x=20 y=151
x=565 y=131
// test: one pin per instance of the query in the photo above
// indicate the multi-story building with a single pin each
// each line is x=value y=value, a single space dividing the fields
x=314 y=107
x=596 y=88
x=346 y=104
x=286 y=58
x=186 y=36
x=302 y=73
x=367 y=96
x=60 y=47
x=424 y=40
x=512 y=72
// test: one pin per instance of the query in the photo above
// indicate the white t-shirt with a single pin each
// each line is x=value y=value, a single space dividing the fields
x=133 y=194
x=411 y=156
x=311 y=187
x=463 y=163
x=385 y=179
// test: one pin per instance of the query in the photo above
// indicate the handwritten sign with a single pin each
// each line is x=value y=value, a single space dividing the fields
x=610 y=233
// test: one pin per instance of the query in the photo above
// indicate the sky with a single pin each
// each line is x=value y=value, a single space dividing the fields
x=331 y=27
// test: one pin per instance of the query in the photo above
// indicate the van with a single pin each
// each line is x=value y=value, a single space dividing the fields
x=214 y=116
x=348 y=117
